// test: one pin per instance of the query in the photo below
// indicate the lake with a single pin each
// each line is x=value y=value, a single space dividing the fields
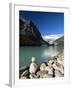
x=41 y=53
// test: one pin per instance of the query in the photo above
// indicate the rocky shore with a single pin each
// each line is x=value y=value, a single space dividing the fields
x=51 y=69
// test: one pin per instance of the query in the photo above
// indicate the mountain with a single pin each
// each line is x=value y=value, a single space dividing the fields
x=51 y=38
x=29 y=33
x=59 y=41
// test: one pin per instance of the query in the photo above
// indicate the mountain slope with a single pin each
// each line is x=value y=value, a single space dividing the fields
x=29 y=33
x=59 y=41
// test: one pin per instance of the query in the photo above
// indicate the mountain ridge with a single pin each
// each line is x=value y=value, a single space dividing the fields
x=29 y=34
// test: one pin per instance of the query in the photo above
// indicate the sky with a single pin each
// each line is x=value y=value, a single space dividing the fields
x=48 y=23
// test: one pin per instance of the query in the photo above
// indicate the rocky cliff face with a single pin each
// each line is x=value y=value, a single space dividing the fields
x=29 y=33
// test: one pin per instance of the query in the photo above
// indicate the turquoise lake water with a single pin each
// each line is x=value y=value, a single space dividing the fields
x=41 y=53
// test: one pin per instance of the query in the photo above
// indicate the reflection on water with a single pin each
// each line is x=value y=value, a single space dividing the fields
x=49 y=52
x=40 y=52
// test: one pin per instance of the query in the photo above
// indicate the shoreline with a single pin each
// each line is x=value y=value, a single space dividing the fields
x=50 y=69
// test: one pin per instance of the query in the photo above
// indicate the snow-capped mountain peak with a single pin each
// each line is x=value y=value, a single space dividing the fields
x=51 y=38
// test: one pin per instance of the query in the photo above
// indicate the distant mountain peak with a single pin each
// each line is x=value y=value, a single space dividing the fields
x=52 y=38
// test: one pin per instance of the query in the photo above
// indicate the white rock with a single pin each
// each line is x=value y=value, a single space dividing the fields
x=38 y=73
x=26 y=72
x=55 y=66
x=60 y=61
x=24 y=77
x=47 y=76
x=51 y=61
x=60 y=68
x=33 y=68
x=49 y=64
x=41 y=74
x=33 y=59
x=62 y=57
x=50 y=72
x=58 y=73
x=42 y=67
x=49 y=69
x=32 y=76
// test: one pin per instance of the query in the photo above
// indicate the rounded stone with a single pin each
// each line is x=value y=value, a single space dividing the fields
x=42 y=67
x=55 y=66
x=47 y=76
x=24 y=77
x=60 y=61
x=33 y=76
x=25 y=73
x=33 y=59
x=49 y=64
x=51 y=61
x=33 y=68
x=43 y=74
x=58 y=73
x=59 y=68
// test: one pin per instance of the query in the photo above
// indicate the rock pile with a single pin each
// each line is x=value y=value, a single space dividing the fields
x=52 y=68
